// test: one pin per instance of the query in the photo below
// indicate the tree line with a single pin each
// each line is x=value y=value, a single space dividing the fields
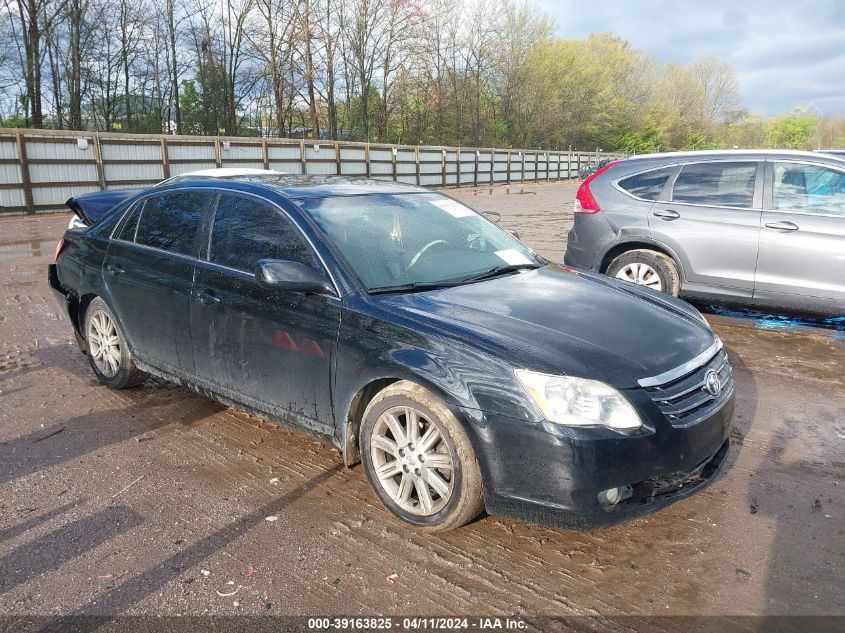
x=450 y=72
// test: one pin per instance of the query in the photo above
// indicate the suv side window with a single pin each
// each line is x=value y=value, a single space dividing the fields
x=718 y=184
x=246 y=229
x=808 y=189
x=170 y=221
x=647 y=185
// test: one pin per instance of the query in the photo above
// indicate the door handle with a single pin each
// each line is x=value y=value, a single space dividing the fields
x=207 y=298
x=114 y=269
x=783 y=225
x=667 y=214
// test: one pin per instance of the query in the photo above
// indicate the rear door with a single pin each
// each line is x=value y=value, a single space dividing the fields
x=148 y=272
x=802 y=241
x=267 y=348
x=709 y=215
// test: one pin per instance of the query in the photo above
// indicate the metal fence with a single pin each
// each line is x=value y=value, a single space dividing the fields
x=40 y=169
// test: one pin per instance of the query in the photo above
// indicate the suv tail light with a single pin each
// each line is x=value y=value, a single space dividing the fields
x=59 y=247
x=585 y=198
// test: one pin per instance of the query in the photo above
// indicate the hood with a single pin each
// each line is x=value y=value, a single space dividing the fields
x=90 y=207
x=559 y=320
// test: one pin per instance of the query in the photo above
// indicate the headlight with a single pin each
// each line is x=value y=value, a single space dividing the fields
x=578 y=401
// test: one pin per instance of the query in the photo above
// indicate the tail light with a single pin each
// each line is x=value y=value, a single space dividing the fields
x=586 y=201
x=59 y=247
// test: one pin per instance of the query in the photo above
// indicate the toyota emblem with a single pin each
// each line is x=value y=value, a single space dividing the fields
x=712 y=383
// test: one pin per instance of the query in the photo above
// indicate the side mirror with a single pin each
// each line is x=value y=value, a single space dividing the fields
x=284 y=274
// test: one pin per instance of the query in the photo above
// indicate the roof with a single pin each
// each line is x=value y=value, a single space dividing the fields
x=739 y=153
x=305 y=186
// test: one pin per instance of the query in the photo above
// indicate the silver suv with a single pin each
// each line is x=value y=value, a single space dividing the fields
x=756 y=227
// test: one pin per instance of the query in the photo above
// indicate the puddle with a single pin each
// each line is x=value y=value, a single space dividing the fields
x=27 y=248
x=783 y=322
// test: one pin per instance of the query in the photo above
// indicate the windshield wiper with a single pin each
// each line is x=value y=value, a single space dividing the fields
x=499 y=271
x=414 y=287
x=451 y=283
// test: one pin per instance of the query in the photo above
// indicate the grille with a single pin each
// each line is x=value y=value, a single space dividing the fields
x=686 y=401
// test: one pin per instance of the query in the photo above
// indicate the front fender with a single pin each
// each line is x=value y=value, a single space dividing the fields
x=373 y=351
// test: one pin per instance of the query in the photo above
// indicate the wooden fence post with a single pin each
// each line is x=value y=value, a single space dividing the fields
x=25 y=179
x=417 y=161
x=509 y=167
x=443 y=166
x=458 y=166
x=303 y=163
x=394 y=153
x=337 y=168
x=98 y=160
x=367 y=157
x=475 y=173
x=165 y=158
x=265 y=153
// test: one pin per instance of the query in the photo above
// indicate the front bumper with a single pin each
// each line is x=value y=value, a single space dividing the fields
x=552 y=475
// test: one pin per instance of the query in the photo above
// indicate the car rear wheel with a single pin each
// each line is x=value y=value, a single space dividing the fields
x=107 y=350
x=419 y=459
x=647 y=268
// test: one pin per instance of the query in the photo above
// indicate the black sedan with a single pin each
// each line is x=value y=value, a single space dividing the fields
x=398 y=325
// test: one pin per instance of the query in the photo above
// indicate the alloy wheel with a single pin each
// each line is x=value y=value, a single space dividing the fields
x=104 y=343
x=641 y=274
x=412 y=462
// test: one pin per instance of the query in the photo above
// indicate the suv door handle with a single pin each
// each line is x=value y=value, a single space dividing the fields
x=114 y=269
x=207 y=298
x=668 y=214
x=783 y=225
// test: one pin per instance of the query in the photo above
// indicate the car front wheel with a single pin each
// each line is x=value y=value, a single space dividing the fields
x=419 y=459
x=107 y=350
x=647 y=268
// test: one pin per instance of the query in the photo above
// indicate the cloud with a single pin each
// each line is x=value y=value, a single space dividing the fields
x=784 y=55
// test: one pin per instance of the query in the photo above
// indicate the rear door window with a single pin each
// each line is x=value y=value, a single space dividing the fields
x=718 y=184
x=246 y=229
x=647 y=185
x=170 y=221
x=808 y=189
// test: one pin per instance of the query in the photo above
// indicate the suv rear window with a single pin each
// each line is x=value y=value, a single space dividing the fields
x=716 y=184
x=647 y=185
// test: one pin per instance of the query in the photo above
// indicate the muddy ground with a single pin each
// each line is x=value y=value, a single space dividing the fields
x=151 y=500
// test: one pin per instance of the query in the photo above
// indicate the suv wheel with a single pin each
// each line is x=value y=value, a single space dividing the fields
x=647 y=268
x=419 y=459
x=107 y=350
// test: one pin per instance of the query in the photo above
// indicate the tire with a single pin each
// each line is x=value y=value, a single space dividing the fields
x=108 y=352
x=647 y=268
x=455 y=493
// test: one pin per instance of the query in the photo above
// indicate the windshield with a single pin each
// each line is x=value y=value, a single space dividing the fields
x=397 y=240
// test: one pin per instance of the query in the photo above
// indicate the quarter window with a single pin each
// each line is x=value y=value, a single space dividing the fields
x=246 y=230
x=130 y=224
x=169 y=221
x=808 y=189
x=716 y=184
x=647 y=185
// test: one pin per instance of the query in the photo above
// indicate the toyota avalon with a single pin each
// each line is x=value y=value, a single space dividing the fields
x=464 y=371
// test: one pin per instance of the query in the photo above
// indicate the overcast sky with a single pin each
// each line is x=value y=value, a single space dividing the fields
x=786 y=53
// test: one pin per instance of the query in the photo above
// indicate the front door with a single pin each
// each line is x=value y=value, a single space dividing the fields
x=148 y=272
x=710 y=217
x=802 y=240
x=269 y=349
